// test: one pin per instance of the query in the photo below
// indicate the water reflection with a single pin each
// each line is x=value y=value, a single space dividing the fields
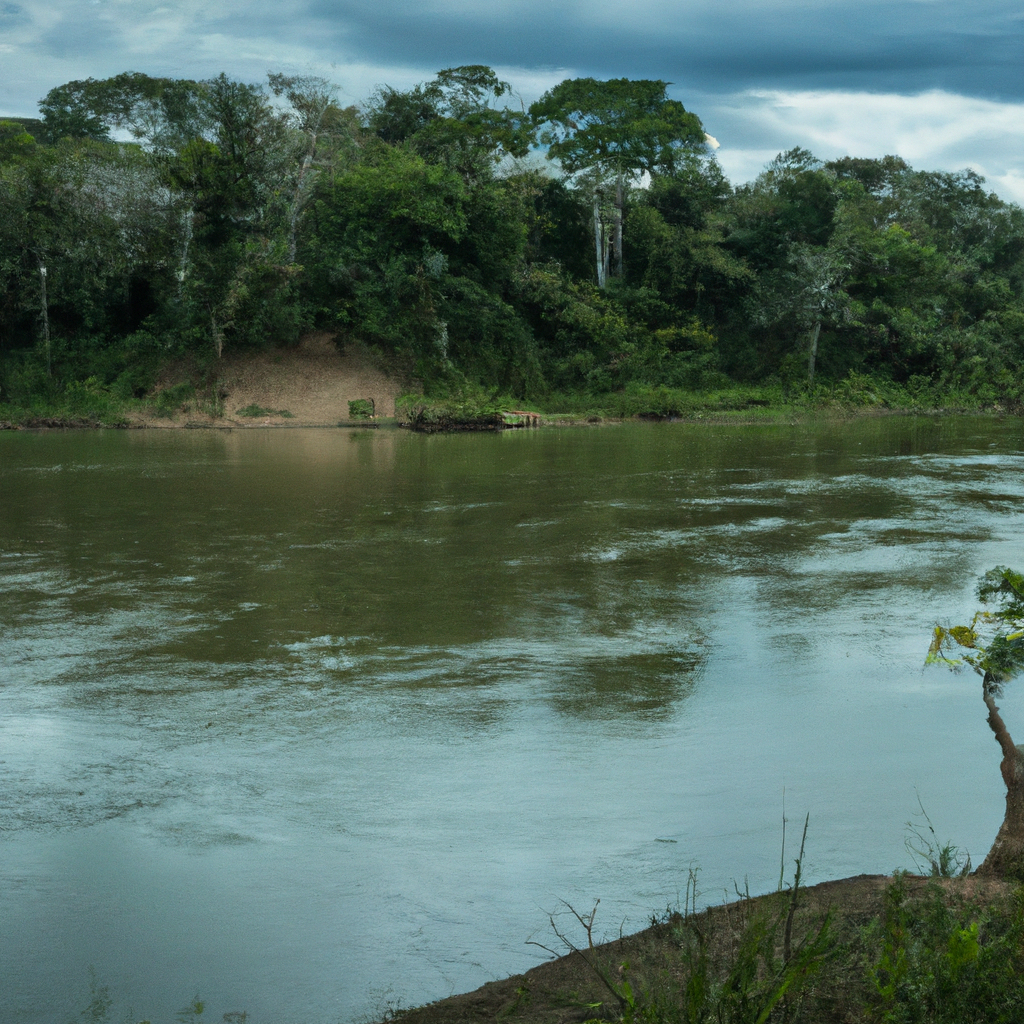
x=384 y=683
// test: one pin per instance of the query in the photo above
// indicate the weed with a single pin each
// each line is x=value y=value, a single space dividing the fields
x=944 y=964
x=760 y=980
x=100 y=1002
x=462 y=405
x=943 y=860
x=192 y=1012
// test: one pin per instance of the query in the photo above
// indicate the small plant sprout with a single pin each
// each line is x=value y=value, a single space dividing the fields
x=940 y=860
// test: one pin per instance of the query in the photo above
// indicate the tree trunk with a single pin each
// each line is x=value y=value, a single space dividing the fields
x=218 y=333
x=812 y=352
x=293 y=218
x=601 y=250
x=617 y=238
x=187 y=241
x=1006 y=858
x=45 y=310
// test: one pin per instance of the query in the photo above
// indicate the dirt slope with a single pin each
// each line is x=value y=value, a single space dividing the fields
x=310 y=385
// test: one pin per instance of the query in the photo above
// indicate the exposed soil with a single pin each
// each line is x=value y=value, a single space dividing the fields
x=306 y=386
x=568 y=990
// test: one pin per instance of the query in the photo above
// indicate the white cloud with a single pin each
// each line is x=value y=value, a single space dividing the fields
x=1008 y=186
x=932 y=131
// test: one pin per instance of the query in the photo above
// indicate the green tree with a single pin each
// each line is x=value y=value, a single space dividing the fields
x=993 y=645
x=236 y=275
x=674 y=241
x=606 y=135
x=15 y=143
x=160 y=113
x=381 y=236
x=454 y=119
x=321 y=134
x=83 y=230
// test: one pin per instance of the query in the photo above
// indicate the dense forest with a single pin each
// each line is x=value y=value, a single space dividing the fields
x=587 y=245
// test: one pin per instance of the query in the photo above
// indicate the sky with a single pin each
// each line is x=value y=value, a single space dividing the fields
x=938 y=82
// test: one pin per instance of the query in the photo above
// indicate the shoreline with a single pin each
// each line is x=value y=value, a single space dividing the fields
x=585 y=983
x=322 y=384
x=783 y=417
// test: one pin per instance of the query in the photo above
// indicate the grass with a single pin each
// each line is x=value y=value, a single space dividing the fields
x=459 y=406
x=772 y=401
x=79 y=404
x=361 y=409
x=938 y=949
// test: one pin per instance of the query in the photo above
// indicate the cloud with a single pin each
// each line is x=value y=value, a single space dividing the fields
x=907 y=45
x=869 y=45
x=934 y=130
x=937 y=81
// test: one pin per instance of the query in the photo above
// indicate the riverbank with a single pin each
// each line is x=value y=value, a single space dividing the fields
x=318 y=384
x=866 y=948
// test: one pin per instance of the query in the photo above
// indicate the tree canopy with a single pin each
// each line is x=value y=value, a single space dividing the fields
x=180 y=217
x=624 y=126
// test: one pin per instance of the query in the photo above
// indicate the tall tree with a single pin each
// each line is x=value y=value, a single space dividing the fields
x=321 y=130
x=607 y=135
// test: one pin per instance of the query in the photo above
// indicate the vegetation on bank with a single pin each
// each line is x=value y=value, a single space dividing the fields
x=467 y=405
x=584 y=256
x=867 y=950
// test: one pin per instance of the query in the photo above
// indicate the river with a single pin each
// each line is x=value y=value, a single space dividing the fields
x=304 y=722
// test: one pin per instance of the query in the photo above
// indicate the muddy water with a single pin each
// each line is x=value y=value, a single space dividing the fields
x=304 y=721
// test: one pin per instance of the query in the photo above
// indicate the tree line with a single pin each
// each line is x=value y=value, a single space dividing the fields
x=145 y=219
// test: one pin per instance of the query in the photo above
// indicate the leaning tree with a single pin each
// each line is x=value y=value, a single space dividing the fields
x=993 y=645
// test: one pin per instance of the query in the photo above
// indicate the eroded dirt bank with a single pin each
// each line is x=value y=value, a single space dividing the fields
x=310 y=385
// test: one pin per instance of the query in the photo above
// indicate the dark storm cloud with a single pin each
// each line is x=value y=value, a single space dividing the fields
x=904 y=46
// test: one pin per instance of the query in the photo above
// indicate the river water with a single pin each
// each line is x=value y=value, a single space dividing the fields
x=303 y=722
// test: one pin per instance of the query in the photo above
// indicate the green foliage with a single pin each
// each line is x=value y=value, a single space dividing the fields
x=15 y=143
x=241 y=217
x=940 y=860
x=623 y=125
x=361 y=409
x=940 y=965
x=993 y=643
x=173 y=399
x=98 y=1009
x=761 y=979
x=459 y=404
x=193 y=1012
